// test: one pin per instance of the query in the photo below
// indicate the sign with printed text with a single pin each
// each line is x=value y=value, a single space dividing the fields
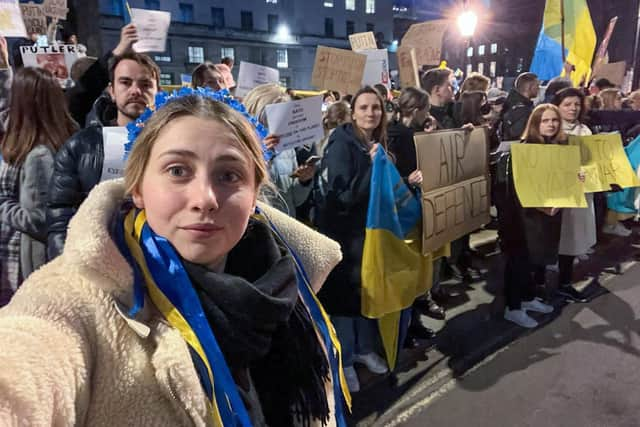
x=546 y=176
x=376 y=69
x=55 y=8
x=408 y=67
x=58 y=59
x=426 y=39
x=35 y=21
x=338 y=69
x=297 y=123
x=11 y=23
x=153 y=28
x=455 y=186
x=114 y=139
x=363 y=41
x=252 y=75
x=604 y=162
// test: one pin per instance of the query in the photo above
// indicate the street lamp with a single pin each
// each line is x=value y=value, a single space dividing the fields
x=283 y=32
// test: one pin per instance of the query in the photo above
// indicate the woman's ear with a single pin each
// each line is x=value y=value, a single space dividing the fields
x=136 y=196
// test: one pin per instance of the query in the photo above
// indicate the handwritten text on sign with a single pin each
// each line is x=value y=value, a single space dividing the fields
x=426 y=39
x=35 y=20
x=297 y=123
x=455 y=198
x=408 y=67
x=56 y=8
x=604 y=162
x=546 y=176
x=362 y=41
x=338 y=69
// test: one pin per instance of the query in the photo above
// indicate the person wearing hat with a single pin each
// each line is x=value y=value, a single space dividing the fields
x=495 y=98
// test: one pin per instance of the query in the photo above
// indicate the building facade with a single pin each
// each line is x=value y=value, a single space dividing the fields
x=282 y=34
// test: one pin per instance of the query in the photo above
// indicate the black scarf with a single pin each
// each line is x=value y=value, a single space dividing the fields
x=265 y=331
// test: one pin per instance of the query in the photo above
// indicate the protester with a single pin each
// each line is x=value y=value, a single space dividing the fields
x=79 y=163
x=338 y=114
x=634 y=97
x=35 y=131
x=117 y=350
x=292 y=181
x=342 y=204
x=208 y=75
x=556 y=85
x=474 y=107
x=598 y=85
x=518 y=106
x=578 y=230
x=438 y=83
x=226 y=75
x=228 y=61
x=611 y=99
x=496 y=99
x=475 y=82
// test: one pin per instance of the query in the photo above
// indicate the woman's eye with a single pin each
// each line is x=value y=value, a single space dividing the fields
x=230 y=177
x=177 y=171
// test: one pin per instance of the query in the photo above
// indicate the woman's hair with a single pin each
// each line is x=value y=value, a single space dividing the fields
x=471 y=111
x=337 y=114
x=203 y=108
x=380 y=132
x=592 y=103
x=609 y=97
x=38 y=114
x=199 y=75
x=570 y=92
x=476 y=82
x=555 y=85
x=532 y=134
x=411 y=99
x=259 y=97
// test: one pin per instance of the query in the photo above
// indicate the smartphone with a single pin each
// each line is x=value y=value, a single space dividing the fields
x=312 y=160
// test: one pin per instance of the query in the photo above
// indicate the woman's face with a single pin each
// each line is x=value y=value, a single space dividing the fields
x=549 y=124
x=213 y=80
x=420 y=117
x=198 y=189
x=367 y=112
x=570 y=108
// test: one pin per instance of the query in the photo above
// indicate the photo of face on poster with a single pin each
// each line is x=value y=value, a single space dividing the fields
x=57 y=59
x=55 y=63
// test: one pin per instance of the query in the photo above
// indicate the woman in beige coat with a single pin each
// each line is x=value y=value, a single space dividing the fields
x=107 y=334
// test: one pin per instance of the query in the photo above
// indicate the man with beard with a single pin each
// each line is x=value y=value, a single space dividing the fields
x=134 y=81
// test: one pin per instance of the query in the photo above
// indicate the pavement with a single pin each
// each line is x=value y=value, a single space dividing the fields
x=475 y=331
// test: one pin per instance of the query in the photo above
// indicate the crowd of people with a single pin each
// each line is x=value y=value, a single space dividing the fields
x=125 y=299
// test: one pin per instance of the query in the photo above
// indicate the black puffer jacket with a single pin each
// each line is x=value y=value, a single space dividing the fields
x=515 y=115
x=77 y=169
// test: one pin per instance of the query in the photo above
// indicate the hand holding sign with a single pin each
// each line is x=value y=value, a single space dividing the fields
x=128 y=36
x=153 y=28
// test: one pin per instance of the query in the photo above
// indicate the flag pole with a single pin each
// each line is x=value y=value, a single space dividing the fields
x=562 y=29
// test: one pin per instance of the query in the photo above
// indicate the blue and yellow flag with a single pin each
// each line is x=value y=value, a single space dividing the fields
x=579 y=38
x=625 y=201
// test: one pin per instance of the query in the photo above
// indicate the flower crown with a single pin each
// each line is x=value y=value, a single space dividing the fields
x=134 y=128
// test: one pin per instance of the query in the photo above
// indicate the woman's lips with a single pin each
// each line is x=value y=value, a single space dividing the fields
x=202 y=230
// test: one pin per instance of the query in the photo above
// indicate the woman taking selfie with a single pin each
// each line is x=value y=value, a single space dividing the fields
x=172 y=303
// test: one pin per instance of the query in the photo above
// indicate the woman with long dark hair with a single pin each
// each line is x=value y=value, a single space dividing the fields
x=39 y=124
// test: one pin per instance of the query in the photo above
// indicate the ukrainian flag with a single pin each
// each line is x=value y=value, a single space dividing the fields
x=394 y=271
x=580 y=41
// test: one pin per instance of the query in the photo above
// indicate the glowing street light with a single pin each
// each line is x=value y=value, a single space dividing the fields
x=283 y=32
x=467 y=23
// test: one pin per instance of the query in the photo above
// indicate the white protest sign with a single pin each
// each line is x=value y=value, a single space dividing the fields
x=114 y=139
x=252 y=75
x=297 y=123
x=11 y=24
x=57 y=59
x=35 y=21
x=376 y=69
x=55 y=8
x=153 y=28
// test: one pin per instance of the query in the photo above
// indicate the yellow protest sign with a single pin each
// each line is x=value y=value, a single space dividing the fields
x=604 y=162
x=546 y=176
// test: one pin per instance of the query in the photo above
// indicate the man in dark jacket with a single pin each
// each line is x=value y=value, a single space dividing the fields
x=438 y=83
x=78 y=164
x=518 y=106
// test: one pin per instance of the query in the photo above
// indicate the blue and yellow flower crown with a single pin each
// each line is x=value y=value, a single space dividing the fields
x=134 y=128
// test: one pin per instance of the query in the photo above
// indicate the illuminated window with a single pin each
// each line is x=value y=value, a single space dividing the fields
x=494 y=47
x=350 y=4
x=282 y=58
x=370 y=6
x=195 y=54
x=470 y=51
x=481 y=50
x=328 y=3
x=227 y=52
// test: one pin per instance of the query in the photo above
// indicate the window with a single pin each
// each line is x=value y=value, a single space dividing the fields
x=492 y=69
x=186 y=12
x=481 y=68
x=328 y=27
x=272 y=1
x=481 y=50
x=165 y=56
x=470 y=51
x=351 y=27
x=469 y=69
x=152 y=4
x=370 y=27
x=282 y=59
x=246 y=20
x=272 y=23
x=370 y=6
x=328 y=3
x=196 y=54
x=228 y=52
x=350 y=4
x=166 y=79
x=217 y=17
x=494 y=47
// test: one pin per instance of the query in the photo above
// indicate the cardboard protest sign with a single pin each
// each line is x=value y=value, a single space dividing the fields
x=546 y=176
x=604 y=162
x=35 y=21
x=408 y=67
x=11 y=23
x=376 y=70
x=297 y=123
x=252 y=75
x=455 y=186
x=55 y=8
x=426 y=39
x=57 y=59
x=363 y=41
x=114 y=139
x=614 y=72
x=153 y=28
x=338 y=69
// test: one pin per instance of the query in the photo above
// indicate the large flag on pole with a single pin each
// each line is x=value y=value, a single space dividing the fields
x=579 y=41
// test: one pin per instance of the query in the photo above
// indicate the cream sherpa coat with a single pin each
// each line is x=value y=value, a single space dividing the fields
x=69 y=355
